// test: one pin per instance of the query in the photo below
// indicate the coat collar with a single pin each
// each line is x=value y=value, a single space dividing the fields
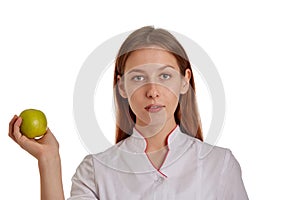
x=137 y=142
x=129 y=155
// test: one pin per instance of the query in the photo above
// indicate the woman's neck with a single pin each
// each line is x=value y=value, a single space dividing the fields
x=156 y=135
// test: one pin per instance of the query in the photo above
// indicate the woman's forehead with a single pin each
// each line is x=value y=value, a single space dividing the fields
x=146 y=56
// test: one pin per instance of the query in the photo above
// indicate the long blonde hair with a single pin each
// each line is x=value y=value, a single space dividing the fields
x=186 y=114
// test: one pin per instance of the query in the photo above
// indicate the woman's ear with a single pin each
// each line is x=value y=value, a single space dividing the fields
x=185 y=82
x=120 y=85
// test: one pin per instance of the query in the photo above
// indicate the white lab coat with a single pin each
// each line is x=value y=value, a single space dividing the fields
x=191 y=170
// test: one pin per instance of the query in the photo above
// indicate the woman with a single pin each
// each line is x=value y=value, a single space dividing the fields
x=159 y=151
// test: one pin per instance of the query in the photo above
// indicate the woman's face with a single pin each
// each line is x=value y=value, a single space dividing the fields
x=152 y=83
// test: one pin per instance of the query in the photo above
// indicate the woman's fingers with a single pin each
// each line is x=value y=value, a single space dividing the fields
x=16 y=129
x=14 y=132
x=46 y=146
x=11 y=127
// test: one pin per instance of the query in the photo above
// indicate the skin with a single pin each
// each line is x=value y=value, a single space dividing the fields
x=146 y=81
x=46 y=149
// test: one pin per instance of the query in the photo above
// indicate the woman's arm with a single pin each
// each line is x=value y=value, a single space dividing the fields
x=46 y=151
x=232 y=184
x=51 y=179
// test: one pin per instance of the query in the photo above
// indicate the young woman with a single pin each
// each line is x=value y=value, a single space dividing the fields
x=159 y=151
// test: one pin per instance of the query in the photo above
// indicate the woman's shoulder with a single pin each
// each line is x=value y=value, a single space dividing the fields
x=212 y=152
x=110 y=153
x=205 y=149
x=121 y=157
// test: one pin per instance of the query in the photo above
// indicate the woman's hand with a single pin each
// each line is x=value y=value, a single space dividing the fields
x=46 y=151
x=44 y=148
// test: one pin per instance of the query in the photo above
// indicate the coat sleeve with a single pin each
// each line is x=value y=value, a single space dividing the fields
x=83 y=181
x=232 y=186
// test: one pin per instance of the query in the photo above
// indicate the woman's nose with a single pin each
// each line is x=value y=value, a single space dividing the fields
x=152 y=91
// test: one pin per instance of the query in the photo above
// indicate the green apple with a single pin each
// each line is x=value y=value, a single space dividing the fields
x=34 y=123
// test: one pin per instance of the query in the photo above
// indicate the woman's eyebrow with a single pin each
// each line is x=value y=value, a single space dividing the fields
x=166 y=66
x=141 y=70
x=135 y=70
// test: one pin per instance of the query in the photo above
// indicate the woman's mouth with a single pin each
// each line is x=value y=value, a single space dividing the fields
x=153 y=108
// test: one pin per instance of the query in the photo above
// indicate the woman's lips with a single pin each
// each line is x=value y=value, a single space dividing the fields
x=153 y=108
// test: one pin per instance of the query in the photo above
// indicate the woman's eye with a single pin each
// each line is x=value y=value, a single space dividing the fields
x=165 y=76
x=138 y=78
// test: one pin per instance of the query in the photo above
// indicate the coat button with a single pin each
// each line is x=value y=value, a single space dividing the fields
x=158 y=179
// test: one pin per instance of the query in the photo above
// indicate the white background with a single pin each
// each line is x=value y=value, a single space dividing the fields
x=255 y=46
